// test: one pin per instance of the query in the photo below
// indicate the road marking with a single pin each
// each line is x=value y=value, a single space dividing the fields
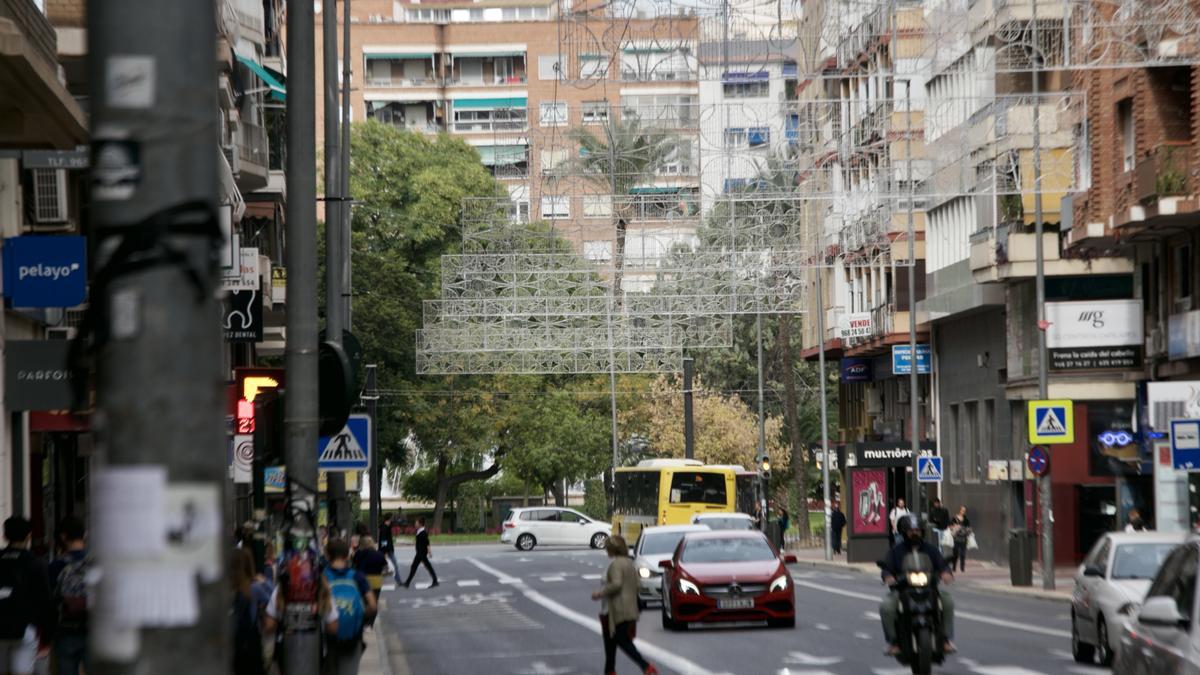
x=541 y=668
x=656 y=653
x=590 y=577
x=1005 y=670
x=388 y=587
x=821 y=626
x=553 y=578
x=862 y=636
x=468 y=582
x=791 y=671
x=802 y=659
x=970 y=616
x=891 y=671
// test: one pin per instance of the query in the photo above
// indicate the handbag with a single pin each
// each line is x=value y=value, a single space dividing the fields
x=971 y=543
x=947 y=540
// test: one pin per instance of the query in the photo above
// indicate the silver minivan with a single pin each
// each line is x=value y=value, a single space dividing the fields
x=1163 y=636
x=552 y=525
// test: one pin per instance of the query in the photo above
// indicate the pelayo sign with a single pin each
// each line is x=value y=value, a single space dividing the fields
x=1094 y=334
x=45 y=271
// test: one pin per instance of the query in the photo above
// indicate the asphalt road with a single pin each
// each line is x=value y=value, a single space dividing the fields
x=502 y=612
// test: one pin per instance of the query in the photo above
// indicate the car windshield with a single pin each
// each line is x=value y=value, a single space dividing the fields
x=1139 y=561
x=726 y=523
x=740 y=549
x=663 y=542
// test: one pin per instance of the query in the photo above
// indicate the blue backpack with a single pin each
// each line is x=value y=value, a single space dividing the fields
x=349 y=602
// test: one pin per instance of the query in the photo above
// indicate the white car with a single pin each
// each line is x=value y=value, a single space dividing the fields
x=724 y=520
x=1109 y=588
x=654 y=545
x=1163 y=635
x=554 y=526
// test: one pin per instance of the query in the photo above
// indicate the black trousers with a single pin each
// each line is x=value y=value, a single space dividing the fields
x=960 y=555
x=623 y=640
x=420 y=559
x=837 y=540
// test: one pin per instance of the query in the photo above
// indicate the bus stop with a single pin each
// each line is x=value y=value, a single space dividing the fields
x=875 y=474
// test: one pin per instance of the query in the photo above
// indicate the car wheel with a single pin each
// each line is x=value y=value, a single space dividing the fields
x=1081 y=651
x=1102 y=648
x=526 y=542
x=599 y=540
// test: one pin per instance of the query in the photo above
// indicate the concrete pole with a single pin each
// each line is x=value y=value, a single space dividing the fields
x=302 y=647
x=689 y=423
x=914 y=388
x=371 y=397
x=762 y=425
x=158 y=345
x=826 y=489
x=347 y=278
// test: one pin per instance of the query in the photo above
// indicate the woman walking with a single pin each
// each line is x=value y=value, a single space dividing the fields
x=619 y=608
x=961 y=529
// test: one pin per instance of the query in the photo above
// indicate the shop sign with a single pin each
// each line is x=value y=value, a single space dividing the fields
x=856 y=370
x=886 y=454
x=1183 y=335
x=856 y=325
x=902 y=359
x=45 y=271
x=279 y=285
x=245 y=277
x=1169 y=400
x=242 y=316
x=1094 y=334
x=36 y=375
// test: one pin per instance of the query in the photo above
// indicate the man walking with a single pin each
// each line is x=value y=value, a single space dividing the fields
x=837 y=523
x=387 y=546
x=898 y=512
x=68 y=578
x=26 y=610
x=356 y=607
x=422 y=555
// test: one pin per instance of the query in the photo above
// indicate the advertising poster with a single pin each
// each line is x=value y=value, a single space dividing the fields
x=869 y=489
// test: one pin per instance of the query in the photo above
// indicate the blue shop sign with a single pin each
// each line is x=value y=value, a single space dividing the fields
x=45 y=271
x=902 y=359
x=856 y=370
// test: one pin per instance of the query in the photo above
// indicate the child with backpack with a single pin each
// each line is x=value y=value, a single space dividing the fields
x=355 y=604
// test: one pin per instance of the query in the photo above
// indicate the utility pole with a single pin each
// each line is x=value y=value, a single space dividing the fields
x=156 y=343
x=914 y=389
x=824 y=410
x=689 y=422
x=371 y=397
x=763 y=460
x=347 y=279
x=301 y=642
x=1045 y=494
x=335 y=323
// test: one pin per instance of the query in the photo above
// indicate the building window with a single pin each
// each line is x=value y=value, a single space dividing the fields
x=549 y=67
x=593 y=66
x=984 y=447
x=951 y=434
x=1184 y=272
x=597 y=251
x=597 y=206
x=552 y=159
x=556 y=207
x=518 y=211
x=758 y=136
x=756 y=89
x=553 y=114
x=969 y=439
x=595 y=112
x=735 y=138
x=1128 y=139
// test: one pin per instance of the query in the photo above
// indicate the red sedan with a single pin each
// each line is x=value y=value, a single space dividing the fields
x=727 y=576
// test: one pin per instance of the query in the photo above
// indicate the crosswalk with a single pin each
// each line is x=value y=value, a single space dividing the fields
x=542 y=577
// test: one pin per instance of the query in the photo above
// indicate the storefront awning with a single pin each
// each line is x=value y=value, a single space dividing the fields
x=278 y=91
x=655 y=190
x=502 y=155
x=490 y=103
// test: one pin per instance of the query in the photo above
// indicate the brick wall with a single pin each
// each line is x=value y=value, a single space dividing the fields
x=71 y=13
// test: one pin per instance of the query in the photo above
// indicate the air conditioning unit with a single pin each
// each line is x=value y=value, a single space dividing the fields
x=61 y=333
x=50 y=196
x=231 y=156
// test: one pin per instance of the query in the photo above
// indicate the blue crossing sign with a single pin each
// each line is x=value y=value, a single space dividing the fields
x=929 y=469
x=348 y=449
x=1051 y=422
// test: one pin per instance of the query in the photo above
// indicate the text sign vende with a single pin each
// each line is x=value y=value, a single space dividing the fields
x=856 y=325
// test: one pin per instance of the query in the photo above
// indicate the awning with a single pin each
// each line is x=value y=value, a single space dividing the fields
x=278 y=91
x=490 y=103
x=650 y=50
x=393 y=56
x=501 y=155
x=481 y=55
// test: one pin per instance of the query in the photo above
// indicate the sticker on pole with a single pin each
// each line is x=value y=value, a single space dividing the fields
x=1185 y=444
x=349 y=449
x=1051 y=422
x=929 y=469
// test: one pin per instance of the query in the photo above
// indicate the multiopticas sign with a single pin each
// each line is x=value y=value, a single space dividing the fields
x=1095 y=334
x=45 y=271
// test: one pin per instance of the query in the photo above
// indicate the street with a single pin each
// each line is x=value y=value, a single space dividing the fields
x=503 y=612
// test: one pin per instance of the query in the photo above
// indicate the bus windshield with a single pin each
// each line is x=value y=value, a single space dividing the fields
x=698 y=487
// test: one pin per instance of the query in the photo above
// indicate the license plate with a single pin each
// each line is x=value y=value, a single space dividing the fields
x=736 y=603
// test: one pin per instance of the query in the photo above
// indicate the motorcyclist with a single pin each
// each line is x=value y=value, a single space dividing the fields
x=913 y=539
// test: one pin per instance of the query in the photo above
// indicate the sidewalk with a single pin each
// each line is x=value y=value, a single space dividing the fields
x=979 y=575
x=382 y=656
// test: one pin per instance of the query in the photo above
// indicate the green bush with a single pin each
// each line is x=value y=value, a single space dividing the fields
x=595 y=502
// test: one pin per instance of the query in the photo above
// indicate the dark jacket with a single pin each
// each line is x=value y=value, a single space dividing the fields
x=29 y=602
x=893 y=562
x=939 y=517
x=370 y=562
x=837 y=520
x=386 y=545
x=423 y=543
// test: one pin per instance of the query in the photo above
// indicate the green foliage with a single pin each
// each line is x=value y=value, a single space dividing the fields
x=557 y=434
x=595 y=501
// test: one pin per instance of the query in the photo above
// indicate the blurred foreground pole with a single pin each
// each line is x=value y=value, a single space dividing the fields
x=161 y=603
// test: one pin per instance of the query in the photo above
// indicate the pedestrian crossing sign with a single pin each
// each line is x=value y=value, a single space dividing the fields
x=1051 y=422
x=929 y=469
x=348 y=449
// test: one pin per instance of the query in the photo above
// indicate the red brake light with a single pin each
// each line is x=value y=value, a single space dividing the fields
x=509 y=523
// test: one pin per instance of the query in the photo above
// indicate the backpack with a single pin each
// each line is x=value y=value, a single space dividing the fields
x=349 y=602
x=71 y=593
x=15 y=611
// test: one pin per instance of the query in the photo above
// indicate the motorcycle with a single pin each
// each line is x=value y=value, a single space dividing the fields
x=919 y=628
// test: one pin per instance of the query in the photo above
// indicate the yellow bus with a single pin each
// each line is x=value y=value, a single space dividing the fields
x=669 y=492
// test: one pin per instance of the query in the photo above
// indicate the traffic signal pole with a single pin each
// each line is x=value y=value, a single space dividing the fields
x=152 y=329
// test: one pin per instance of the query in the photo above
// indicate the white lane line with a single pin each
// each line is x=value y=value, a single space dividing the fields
x=590 y=577
x=970 y=616
x=658 y=654
x=388 y=587
x=821 y=626
x=553 y=578
x=468 y=582
x=1005 y=670
x=862 y=636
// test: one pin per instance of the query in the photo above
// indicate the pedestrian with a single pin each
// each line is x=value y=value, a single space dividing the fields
x=961 y=529
x=784 y=523
x=423 y=554
x=837 y=523
x=387 y=545
x=269 y=562
x=1136 y=523
x=26 y=605
x=355 y=604
x=368 y=560
x=619 y=607
x=898 y=512
x=247 y=634
x=939 y=517
x=758 y=516
x=69 y=581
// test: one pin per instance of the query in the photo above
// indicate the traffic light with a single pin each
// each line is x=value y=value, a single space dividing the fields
x=764 y=467
x=268 y=427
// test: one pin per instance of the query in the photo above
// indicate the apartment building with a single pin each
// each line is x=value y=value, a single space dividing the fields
x=516 y=81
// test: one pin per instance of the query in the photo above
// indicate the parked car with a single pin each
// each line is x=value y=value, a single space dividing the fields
x=1109 y=586
x=654 y=545
x=724 y=520
x=727 y=576
x=552 y=525
x=1163 y=635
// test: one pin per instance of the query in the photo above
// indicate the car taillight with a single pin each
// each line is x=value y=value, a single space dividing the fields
x=509 y=524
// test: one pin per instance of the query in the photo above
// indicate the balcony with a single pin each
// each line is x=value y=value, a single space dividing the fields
x=37 y=110
x=254 y=157
x=402 y=82
x=481 y=126
x=1009 y=252
x=656 y=75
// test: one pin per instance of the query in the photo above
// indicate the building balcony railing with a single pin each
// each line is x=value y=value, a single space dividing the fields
x=482 y=126
x=654 y=75
x=1010 y=252
x=397 y=82
x=1165 y=172
x=252 y=144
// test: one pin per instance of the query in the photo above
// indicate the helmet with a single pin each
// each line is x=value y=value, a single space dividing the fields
x=908 y=523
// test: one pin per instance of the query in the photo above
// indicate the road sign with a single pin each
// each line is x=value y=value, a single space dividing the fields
x=1051 y=422
x=1185 y=444
x=349 y=449
x=929 y=469
x=1038 y=461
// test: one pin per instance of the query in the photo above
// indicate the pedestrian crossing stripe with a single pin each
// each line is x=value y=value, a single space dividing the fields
x=1051 y=422
x=929 y=469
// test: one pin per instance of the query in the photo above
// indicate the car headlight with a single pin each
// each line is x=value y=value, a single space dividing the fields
x=686 y=586
x=644 y=572
x=918 y=579
x=780 y=583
